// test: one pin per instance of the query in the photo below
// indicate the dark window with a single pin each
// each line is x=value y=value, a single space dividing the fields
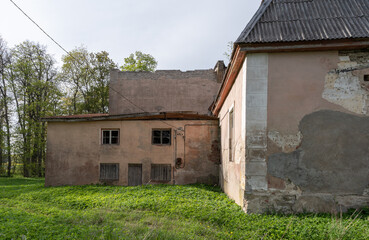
x=161 y=172
x=109 y=171
x=161 y=136
x=366 y=78
x=110 y=136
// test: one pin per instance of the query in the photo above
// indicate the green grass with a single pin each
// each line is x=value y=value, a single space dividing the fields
x=28 y=210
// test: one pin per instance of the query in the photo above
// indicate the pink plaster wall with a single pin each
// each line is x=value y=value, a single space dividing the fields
x=74 y=151
x=233 y=172
x=295 y=87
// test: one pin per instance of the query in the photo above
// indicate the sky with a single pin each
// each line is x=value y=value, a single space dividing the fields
x=180 y=34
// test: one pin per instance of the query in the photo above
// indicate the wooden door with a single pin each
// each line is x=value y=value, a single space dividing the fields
x=134 y=174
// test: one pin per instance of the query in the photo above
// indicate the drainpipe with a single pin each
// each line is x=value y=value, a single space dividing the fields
x=175 y=155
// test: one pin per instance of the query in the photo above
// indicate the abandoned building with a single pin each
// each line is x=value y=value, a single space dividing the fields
x=174 y=141
x=285 y=127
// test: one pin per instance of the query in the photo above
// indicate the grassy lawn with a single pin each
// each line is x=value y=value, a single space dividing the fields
x=28 y=210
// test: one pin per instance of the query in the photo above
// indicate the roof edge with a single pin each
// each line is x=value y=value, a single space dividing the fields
x=261 y=10
x=133 y=116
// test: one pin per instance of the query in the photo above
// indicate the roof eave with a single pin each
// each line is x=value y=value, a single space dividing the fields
x=319 y=45
x=135 y=116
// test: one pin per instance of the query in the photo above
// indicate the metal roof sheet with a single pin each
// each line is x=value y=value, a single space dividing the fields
x=307 y=20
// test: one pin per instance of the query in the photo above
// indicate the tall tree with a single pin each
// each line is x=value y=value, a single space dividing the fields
x=87 y=76
x=33 y=84
x=5 y=101
x=139 y=62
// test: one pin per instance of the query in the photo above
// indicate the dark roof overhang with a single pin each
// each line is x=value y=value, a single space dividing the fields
x=128 y=117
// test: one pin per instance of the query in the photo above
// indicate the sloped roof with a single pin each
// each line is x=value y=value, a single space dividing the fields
x=307 y=20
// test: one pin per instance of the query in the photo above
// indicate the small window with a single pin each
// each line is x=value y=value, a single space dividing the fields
x=366 y=78
x=161 y=172
x=161 y=136
x=109 y=171
x=110 y=136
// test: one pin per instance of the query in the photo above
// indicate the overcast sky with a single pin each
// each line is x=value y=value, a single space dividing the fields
x=180 y=34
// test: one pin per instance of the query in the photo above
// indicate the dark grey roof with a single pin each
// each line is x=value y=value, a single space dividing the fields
x=307 y=20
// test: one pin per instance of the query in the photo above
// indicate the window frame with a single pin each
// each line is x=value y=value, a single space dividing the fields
x=161 y=136
x=109 y=179
x=110 y=130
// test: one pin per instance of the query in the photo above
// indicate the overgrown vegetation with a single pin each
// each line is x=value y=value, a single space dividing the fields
x=28 y=210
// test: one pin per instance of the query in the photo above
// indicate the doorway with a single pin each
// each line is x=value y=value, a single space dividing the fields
x=134 y=174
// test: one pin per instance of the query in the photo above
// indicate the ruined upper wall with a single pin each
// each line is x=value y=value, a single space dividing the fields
x=162 y=91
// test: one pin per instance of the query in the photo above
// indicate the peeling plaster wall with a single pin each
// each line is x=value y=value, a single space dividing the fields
x=347 y=88
x=74 y=151
x=201 y=154
x=317 y=157
x=163 y=91
x=333 y=156
x=232 y=173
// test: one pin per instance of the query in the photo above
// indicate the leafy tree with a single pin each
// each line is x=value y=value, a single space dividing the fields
x=139 y=62
x=5 y=102
x=87 y=78
x=32 y=80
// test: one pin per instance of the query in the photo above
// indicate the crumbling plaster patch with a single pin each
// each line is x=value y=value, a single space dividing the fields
x=344 y=86
x=333 y=157
x=287 y=142
x=327 y=173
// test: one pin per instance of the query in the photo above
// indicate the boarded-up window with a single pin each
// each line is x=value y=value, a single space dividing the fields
x=231 y=132
x=161 y=136
x=110 y=136
x=161 y=172
x=109 y=171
